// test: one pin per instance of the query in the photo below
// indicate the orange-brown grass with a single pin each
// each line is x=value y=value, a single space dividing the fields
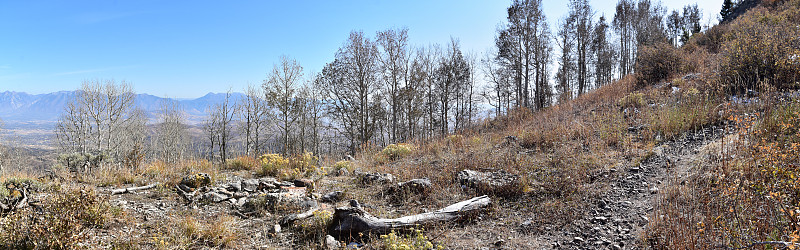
x=555 y=153
x=748 y=192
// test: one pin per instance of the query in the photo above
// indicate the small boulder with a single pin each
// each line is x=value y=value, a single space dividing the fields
x=195 y=181
x=250 y=185
x=268 y=183
x=214 y=197
x=331 y=242
x=304 y=183
x=498 y=182
x=377 y=178
x=332 y=197
x=416 y=186
x=234 y=186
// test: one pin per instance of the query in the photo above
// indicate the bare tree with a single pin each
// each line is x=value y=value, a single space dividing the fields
x=581 y=15
x=637 y=24
x=498 y=92
x=350 y=87
x=604 y=54
x=281 y=94
x=254 y=114
x=691 y=22
x=218 y=126
x=566 y=62
x=674 y=27
x=624 y=24
x=394 y=56
x=311 y=115
x=102 y=119
x=452 y=76
x=524 y=47
x=413 y=96
x=171 y=132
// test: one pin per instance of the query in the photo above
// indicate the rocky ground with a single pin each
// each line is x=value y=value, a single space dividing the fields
x=261 y=211
x=619 y=217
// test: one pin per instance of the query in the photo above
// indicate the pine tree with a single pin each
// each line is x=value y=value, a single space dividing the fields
x=727 y=10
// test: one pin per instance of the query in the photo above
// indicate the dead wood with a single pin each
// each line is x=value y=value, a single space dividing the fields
x=354 y=223
x=289 y=219
x=131 y=189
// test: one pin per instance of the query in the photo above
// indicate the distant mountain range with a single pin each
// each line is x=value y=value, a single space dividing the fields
x=24 y=107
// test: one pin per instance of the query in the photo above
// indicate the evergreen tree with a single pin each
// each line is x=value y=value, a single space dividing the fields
x=727 y=10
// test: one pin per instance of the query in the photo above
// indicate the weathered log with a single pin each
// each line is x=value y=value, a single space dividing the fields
x=355 y=223
x=289 y=219
x=131 y=189
x=15 y=203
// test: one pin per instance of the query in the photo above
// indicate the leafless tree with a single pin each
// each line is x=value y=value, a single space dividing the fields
x=349 y=84
x=394 y=57
x=581 y=15
x=452 y=76
x=102 y=119
x=604 y=54
x=171 y=132
x=281 y=88
x=524 y=47
x=218 y=126
x=624 y=24
x=254 y=114
x=566 y=63
x=498 y=90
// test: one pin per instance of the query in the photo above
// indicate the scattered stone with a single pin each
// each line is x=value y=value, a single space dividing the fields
x=600 y=219
x=304 y=183
x=578 y=239
x=268 y=183
x=653 y=190
x=415 y=186
x=331 y=242
x=214 y=197
x=332 y=197
x=499 y=243
x=377 y=178
x=497 y=182
x=250 y=185
x=234 y=186
x=192 y=182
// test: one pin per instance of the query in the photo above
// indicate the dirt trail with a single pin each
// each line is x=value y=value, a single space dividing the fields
x=619 y=217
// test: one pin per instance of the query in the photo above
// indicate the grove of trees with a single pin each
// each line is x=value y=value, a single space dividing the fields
x=381 y=89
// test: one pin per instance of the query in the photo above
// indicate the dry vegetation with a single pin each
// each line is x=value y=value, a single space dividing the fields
x=744 y=192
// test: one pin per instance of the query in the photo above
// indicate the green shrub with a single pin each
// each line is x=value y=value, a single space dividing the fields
x=314 y=229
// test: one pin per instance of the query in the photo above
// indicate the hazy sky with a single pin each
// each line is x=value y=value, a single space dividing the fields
x=186 y=49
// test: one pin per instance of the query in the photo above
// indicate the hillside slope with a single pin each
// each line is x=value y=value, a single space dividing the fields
x=707 y=157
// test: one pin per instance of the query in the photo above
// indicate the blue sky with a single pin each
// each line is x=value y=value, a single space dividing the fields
x=186 y=49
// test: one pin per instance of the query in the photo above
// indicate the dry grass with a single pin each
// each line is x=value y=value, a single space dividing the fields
x=187 y=231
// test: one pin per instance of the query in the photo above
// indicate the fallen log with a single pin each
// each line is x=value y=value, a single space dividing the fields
x=18 y=202
x=355 y=223
x=289 y=219
x=131 y=189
